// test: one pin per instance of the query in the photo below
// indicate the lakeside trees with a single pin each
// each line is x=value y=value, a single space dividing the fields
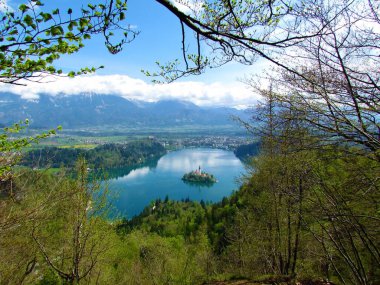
x=103 y=156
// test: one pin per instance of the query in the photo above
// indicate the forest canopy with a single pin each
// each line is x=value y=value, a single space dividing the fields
x=104 y=156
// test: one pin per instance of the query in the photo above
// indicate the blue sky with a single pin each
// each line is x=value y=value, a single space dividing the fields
x=159 y=39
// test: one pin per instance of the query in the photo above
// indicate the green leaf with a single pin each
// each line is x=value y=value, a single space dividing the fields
x=83 y=22
x=46 y=16
x=49 y=59
x=72 y=25
x=55 y=31
x=23 y=8
x=28 y=20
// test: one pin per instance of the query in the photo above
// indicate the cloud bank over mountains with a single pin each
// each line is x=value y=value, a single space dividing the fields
x=215 y=94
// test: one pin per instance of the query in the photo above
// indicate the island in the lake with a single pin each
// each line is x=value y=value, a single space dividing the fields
x=198 y=176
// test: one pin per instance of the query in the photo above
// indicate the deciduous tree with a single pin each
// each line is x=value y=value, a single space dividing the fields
x=32 y=39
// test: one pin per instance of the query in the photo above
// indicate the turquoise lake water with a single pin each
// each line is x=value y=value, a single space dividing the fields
x=135 y=188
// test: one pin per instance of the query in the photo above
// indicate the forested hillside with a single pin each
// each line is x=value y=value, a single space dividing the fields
x=315 y=200
x=247 y=151
x=103 y=156
x=307 y=214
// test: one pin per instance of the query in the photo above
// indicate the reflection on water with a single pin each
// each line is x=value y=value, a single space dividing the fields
x=198 y=185
x=136 y=173
x=121 y=172
x=190 y=159
x=137 y=187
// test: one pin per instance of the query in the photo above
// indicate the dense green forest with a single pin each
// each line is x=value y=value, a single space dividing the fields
x=102 y=156
x=246 y=151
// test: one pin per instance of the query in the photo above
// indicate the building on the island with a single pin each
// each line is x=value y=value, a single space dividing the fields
x=198 y=171
x=198 y=175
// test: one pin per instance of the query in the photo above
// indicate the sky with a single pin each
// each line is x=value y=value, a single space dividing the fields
x=159 y=40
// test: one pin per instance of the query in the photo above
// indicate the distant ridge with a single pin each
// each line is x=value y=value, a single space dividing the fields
x=89 y=109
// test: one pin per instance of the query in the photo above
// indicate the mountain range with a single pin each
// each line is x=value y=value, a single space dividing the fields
x=85 y=110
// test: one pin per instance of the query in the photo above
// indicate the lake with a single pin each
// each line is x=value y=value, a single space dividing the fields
x=135 y=188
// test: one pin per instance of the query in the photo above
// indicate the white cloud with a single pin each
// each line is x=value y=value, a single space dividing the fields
x=188 y=6
x=33 y=6
x=133 y=27
x=203 y=94
x=5 y=7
